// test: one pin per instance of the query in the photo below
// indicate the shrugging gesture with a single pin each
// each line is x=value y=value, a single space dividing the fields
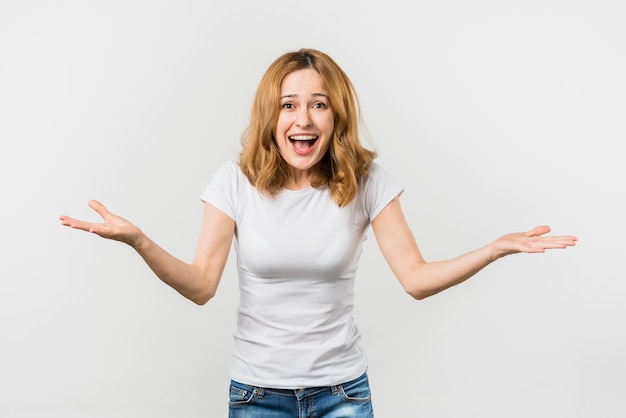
x=300 y=200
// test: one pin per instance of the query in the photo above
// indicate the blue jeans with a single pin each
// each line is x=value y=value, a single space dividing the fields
x=348 y=400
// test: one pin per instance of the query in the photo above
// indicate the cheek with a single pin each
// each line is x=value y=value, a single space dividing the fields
x=330 y=122
x=282 y=123
x=330 y=131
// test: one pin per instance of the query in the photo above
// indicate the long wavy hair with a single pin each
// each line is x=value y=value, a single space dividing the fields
x=346 y=159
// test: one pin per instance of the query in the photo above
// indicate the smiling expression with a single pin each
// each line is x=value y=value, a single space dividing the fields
x=305 y=124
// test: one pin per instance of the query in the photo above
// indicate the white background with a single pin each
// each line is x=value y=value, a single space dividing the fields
x=497 y=116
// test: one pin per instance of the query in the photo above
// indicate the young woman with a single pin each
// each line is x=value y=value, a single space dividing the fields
x=299 y=202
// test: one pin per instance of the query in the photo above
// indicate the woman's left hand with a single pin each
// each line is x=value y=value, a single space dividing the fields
x=533 y=241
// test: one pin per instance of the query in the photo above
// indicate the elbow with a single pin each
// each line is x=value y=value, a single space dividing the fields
x=419 y=285
x=200 y=302
x=413 y=281
x=418 y=294
x=202 y=298
x=202 y=292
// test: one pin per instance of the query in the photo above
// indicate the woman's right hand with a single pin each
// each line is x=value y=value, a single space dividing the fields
x=113 y=227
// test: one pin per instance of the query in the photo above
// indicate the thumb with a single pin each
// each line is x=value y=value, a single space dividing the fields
x=538 y=231
x=99 y=208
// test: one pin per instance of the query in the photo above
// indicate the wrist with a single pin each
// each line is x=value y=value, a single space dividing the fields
x=494 y=252
x=139 y=241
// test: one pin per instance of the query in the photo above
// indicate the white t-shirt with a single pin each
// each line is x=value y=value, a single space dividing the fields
x=297 y=256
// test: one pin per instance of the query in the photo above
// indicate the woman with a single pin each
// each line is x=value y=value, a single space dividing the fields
x=299 y=203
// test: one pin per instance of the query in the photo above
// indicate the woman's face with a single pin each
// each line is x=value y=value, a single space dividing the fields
x=305 y=123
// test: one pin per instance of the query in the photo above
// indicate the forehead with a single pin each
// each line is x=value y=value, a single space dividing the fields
x=305 y=81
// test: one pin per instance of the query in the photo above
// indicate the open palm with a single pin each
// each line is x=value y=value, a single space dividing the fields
x=113 y=226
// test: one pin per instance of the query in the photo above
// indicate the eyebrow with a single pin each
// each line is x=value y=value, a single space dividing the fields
x=289 y=96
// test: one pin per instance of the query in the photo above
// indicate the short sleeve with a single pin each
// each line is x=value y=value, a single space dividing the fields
x=222 y=189
x=379 y=189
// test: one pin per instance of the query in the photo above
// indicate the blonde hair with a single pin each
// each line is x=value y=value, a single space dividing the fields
x=346 y=159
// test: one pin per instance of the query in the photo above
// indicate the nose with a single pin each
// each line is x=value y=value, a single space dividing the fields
x=302 y=117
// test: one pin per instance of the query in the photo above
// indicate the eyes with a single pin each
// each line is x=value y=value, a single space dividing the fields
x=314 y=105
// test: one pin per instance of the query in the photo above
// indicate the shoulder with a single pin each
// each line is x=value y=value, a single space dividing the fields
x=229 y=171
x=377 y=188
x=376 y=174
x=224 y=179
x=229 y=167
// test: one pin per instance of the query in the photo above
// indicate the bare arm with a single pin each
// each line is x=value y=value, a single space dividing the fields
x=197 y=281
x=422 y=279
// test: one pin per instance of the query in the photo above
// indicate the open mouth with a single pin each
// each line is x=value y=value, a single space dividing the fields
x=303 y=143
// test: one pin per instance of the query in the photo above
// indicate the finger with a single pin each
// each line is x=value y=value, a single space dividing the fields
x=564 y=241
x=67 y=221
x=99 y=208
x=569 y=238
x=76 y=224
x=549 y=245
x=564 y=238
x=553 y=243
x=539 y=230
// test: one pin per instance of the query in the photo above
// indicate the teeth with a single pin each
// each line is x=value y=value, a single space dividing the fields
x=303 y=137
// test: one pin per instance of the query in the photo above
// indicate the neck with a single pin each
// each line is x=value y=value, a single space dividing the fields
x=298 y=182
x=300 y=179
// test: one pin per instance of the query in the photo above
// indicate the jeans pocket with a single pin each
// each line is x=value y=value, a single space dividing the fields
x=241 y=394
x=357 y=390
